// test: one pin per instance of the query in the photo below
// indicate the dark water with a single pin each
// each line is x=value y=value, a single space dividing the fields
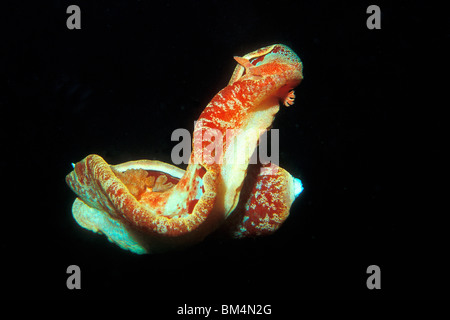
x=365 y=136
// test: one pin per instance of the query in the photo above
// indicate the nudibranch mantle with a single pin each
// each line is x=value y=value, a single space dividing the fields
x=149 y=206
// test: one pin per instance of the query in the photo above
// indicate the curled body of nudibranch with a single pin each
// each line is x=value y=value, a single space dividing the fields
x=149 y=206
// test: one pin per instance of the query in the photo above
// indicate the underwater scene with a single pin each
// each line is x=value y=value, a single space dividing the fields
x=198 y=152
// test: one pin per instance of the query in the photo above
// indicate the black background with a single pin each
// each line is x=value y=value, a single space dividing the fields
x=365 y=136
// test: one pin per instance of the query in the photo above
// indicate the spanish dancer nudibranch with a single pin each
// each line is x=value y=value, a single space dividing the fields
x=148 y=206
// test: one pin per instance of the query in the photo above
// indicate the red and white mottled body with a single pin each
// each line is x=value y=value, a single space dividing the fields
x=122 y=202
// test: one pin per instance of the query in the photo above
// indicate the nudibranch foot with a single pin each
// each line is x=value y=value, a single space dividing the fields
x=267 y=195
x=114 y=229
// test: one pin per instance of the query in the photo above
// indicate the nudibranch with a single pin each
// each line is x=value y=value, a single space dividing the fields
x=148 y=206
